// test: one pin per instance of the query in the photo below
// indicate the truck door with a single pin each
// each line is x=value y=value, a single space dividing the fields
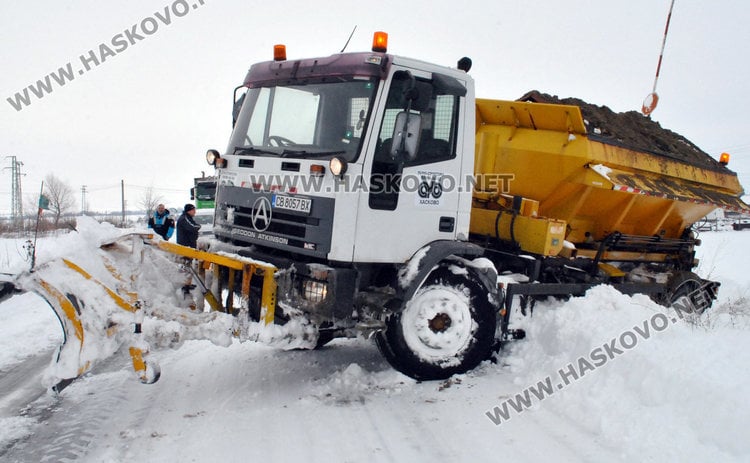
x=413 y=172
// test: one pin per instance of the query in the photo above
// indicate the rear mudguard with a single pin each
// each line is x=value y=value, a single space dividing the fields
x=424 y=261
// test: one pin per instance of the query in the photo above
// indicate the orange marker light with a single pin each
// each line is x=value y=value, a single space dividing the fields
x=316 y=170
x=380 y=42
x=724 y=159
x=279 y=52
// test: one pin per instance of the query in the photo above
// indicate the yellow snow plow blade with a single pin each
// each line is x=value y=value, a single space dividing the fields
x=69 y=320
x=100 y=308
x=84 y=329
x=121 y=303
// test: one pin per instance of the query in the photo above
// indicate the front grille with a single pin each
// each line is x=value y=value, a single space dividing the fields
x=281 y=223
x=292 y=218
x=308 y=233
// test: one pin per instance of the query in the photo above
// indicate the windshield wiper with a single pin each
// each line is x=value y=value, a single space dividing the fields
x=253 y=150
x=309 y=154
x=284 y=153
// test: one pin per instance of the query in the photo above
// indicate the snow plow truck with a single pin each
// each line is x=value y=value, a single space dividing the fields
x=368 y=194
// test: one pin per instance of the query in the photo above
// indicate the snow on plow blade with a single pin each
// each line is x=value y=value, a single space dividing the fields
x=137 y=291
x=70 y=291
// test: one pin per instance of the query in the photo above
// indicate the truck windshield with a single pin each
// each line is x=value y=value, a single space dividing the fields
x=205 y=190
x=307 y=119
x=205 y=194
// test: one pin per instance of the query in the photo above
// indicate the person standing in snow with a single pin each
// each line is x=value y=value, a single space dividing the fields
x=187 y=229
x=161 y=222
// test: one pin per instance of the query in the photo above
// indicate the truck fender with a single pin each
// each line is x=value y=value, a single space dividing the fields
x=415 y=270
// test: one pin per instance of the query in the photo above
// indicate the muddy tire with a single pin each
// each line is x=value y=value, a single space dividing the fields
x=447 y=328
x=680 y=285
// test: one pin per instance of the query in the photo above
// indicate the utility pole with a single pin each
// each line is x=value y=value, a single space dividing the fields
x=122 y=193
x=16 y=196
x=83 y=200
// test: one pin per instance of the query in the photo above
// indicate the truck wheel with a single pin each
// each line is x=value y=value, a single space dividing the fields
x=325 y=335
x=682 y=284
x=448 y=327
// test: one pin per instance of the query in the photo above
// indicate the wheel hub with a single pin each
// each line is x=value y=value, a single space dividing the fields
x=440 y=322
x=437 y=324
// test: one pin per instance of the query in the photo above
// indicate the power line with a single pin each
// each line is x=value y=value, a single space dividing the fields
x=93 y=188
x=100 y=188
x=174 y=190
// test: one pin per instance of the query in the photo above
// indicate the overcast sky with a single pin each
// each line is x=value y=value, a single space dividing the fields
x=148 y=114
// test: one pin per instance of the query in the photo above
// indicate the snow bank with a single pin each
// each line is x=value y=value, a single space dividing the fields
x=676 y=395
x=721 y=260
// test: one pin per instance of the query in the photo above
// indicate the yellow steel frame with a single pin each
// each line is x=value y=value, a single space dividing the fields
x=233 y=264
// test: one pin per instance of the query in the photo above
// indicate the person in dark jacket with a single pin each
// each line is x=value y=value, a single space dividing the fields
x=161 y=222
x=187 y=229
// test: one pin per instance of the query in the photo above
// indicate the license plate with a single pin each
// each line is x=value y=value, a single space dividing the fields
x=292 y=203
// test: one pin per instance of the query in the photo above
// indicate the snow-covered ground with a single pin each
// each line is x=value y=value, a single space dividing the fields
x=669 y=391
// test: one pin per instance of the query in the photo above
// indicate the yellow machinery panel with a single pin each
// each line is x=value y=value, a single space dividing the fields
x=593 y=187
x=535 y=235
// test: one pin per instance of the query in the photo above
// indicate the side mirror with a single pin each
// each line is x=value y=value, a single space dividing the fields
x=237 y=104
x=406 y=136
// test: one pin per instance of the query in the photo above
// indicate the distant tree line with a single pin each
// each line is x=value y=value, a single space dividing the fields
x=60 y=204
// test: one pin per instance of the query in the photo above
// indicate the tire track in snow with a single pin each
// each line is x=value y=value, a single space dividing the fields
x=22 y=383
x=90 y=411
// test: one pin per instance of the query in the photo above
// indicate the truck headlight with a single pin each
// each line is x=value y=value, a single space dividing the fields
x=314 y=291
x=337 y=166
x=213 y=158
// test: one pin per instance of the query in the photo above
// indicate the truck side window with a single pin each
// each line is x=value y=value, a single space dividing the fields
x=438 y=138
x=385 y=179
x=437 y=141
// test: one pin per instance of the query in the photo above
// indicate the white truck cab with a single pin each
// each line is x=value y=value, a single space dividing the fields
x=296 y=120
x=346 y=172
